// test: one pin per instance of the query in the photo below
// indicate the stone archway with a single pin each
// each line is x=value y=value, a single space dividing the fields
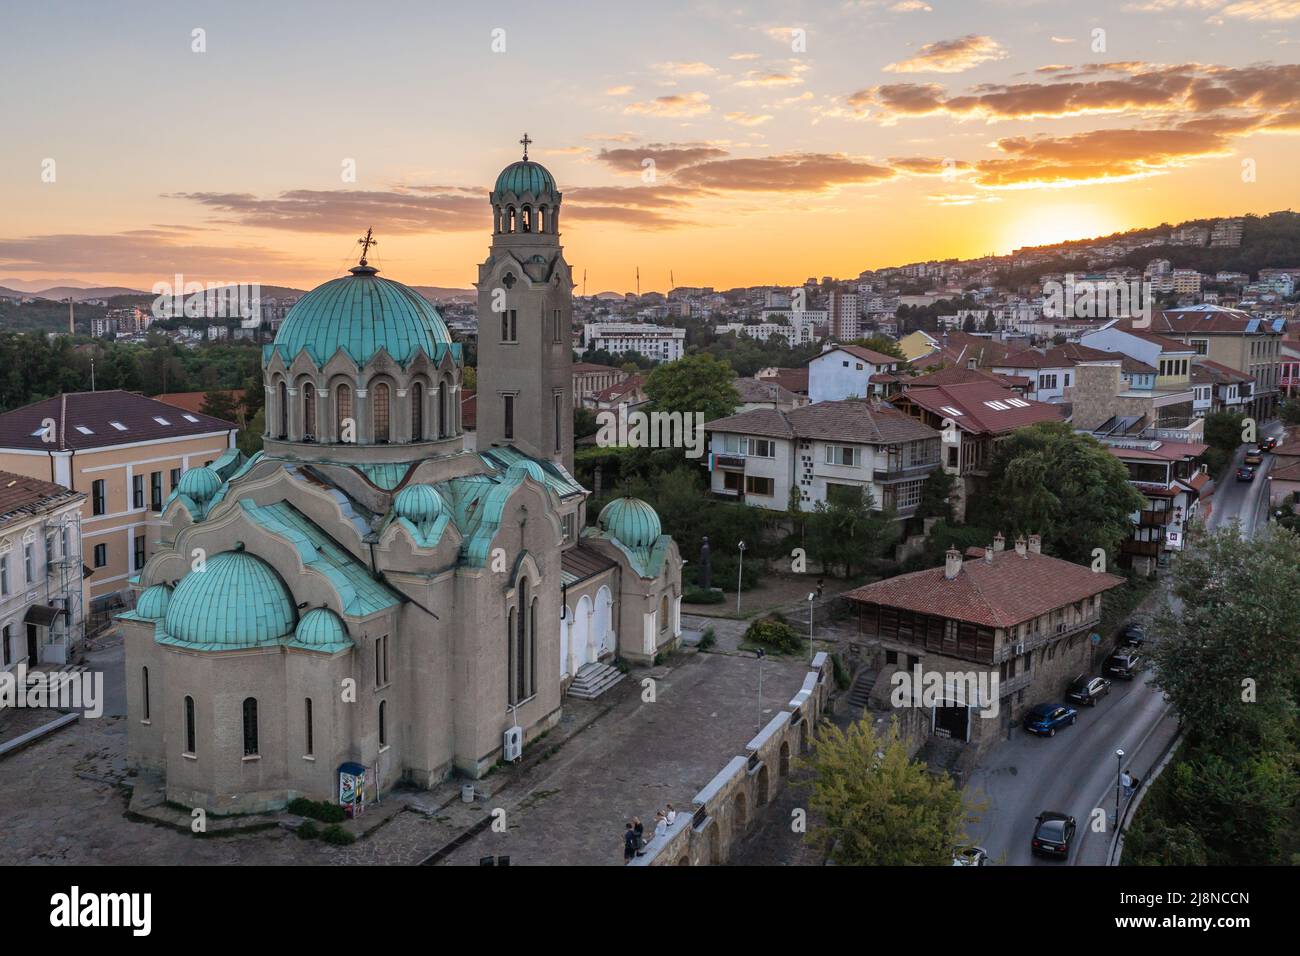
x=601 y=632
x=761 y=786
x=739 y=815
x=783 y=765
x=566 y=626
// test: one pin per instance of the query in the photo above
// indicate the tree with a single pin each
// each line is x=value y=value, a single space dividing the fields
x=584 y=422
x=249 y=438
x=696 y=383
x=469 y=378
x=879 y=807
x=936 y=496
x=1223 y=435
x=219 y=404
x=1289 y=411
x=1238 y=623
x=848 y=531
x=1066 y=486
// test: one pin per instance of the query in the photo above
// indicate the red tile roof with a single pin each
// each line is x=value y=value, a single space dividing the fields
x=85 y=420
x=975 y=414
x=794 y=379
x=1009 y=590
x=21 y=497
x=850 y=421
x=193 y=401
x=866 y=354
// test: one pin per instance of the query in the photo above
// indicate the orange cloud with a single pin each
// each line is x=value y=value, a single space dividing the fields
x=951 y=56
x=676 y=105
x=793 y=172
x=667 y=156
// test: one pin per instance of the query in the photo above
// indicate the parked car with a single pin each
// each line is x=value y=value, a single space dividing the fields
x=1245 y=474
x=1254 y=456
x=1046 y=718
x=1133 y=634
x=1124 y=662
x=1053 y=835
x=970 y=856
x=1268 y=444
x=1088 y=690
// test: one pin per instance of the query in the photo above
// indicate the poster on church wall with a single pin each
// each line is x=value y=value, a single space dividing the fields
x=352 y=788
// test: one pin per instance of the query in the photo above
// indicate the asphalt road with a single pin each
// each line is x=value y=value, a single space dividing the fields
x=1075 y=772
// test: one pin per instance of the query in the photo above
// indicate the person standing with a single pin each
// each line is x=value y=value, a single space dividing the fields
x=661 y=826
x=1126 y=781
x=670 y=815
x=629 y=843
x=639 y=829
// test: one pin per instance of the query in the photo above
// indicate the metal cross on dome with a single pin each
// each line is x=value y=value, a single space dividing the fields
x=525 y=141
x=365 y=242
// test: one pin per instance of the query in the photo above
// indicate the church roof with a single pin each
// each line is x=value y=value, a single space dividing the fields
x=237 y=600
x=361 y=314
x=525 y=176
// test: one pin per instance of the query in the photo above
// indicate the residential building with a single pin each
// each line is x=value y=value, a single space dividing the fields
x=1220 y=388
x=588 y=379
x=1169 y=476
x=125 y=453
x=1152 y=381
x=1017 y=615
x=765 y=393
x=759 y=456
x=845 y=371
x=42 y=582
x=844 y=309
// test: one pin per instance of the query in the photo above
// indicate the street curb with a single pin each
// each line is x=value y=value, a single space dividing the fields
x=1116 y=851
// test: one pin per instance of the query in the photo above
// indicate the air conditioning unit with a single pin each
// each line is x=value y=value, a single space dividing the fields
x=1020 y=648
x=512 y=743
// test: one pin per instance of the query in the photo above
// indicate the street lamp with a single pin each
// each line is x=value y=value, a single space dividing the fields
x=1119 y=773
x=740 y=576
x=811 y=596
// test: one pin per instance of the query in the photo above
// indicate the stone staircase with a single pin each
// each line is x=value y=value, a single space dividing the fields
x=592 y=680
x=860 y=690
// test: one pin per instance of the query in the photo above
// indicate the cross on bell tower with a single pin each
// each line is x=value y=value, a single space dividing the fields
x=524 y=142
x=365 y=242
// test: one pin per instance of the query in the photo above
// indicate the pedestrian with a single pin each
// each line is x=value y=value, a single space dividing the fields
x=1126 y=781
x=661 y=826
x=629 y=843
x=638 y=828
x=670 y=815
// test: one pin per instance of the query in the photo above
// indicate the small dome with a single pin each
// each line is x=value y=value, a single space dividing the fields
x=527 y=469
x=360 y=314
x=418 y=503
x=199 y=484
x=321 y=627
x=237 y=600
x=631 y=521
x=524 y=177
x=153 y=601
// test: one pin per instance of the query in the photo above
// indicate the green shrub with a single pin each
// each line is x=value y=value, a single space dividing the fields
x=321 y=810
x=337 y=836
x=774 y=633
x=725 y=571
x=308 y=830
x=708 y=639
x=841 y=672
x=698 y=596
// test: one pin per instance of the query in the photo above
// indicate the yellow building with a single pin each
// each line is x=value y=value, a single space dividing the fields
x=125 y=453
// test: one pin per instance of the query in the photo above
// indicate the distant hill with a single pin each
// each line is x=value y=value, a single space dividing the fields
x=60 y=293
x=6 y=293
x=609 y=295
x=438 y=293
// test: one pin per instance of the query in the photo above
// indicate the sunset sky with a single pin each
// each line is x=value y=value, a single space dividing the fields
x=885 y=132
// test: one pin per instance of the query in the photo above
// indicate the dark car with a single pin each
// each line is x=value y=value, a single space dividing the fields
x=1089 y=690
x=1268 y=444
x=1123 y=663
x=1045 y=718
x=1245 y=474
x=1053 y=835
x=1133 y=634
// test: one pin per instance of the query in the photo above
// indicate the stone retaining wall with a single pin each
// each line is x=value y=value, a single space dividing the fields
x=724 y=811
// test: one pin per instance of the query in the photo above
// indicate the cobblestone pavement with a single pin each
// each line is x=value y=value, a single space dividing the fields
x=569 y=809
x=572 y=809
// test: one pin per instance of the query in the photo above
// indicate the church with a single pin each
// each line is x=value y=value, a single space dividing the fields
x=365 y=602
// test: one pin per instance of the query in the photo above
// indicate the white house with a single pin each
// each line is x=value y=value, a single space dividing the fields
x=845 y=371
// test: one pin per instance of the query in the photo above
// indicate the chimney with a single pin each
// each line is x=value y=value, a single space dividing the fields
x=999 y=541
x=952 y=566
x=1021 y=548
x=1036 y=543
x=988 y=554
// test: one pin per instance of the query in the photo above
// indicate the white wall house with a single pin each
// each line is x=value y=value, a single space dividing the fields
x=844 y=372
x=759 y=456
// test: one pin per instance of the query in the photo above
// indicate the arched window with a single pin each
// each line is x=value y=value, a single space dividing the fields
x=417 y=412
x=510 y=658
x=510 y=218
x=663 y=613
x=250 y=726
x=308 y=411
x=284 y=410
x=532 y=648
x=521 y=643
x=310 y=730
x=527 y=218
x=144 y=692
x=380 y=419
x=189 y=725
x=442 y=409
x=383 y=723
x=343 y=411
x=541 y=218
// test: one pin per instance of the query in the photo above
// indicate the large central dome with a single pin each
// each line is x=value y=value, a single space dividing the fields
x=360 y=314
x=525 y=177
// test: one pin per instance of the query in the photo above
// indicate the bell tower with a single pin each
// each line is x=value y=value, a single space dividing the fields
x=525 y=310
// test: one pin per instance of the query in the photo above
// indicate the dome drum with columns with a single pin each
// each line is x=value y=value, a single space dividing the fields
x=454 y=591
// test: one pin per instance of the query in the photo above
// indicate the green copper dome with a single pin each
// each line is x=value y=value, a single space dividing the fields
x=237 y=600
x=153 y=601
x=418 y=503
x=361 y=314
x=631 y=521
x=200 y=484
x=321 y=629
x=525 y=176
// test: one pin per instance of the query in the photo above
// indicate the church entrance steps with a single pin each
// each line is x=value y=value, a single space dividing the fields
x=592 y=680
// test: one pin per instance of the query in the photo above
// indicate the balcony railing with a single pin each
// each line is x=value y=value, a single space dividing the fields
x=1154 y=518
x=1146 y=549
x=902 y=473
